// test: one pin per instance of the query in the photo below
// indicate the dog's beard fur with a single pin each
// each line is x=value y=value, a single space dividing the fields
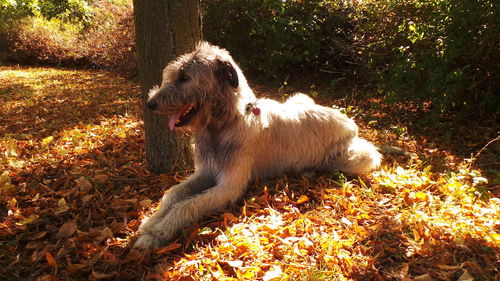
x=238 y=138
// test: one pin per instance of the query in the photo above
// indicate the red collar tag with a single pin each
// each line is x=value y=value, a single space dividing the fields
x=252 y=106
x=256 y=111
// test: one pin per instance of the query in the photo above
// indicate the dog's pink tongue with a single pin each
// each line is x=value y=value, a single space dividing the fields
x=173 y=120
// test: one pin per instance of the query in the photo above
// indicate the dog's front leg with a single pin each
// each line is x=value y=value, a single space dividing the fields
x=230 y=186
x=194 y=184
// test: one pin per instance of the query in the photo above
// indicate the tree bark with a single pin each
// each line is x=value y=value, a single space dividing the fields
x=165 y=29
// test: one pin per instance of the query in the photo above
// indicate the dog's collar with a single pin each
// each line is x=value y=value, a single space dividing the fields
x=252 y=107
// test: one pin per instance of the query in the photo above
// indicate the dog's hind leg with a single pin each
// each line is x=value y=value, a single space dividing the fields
x=361 y=157
x=231 y=185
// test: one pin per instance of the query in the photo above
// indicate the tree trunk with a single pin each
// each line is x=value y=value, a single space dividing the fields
x=165 y=29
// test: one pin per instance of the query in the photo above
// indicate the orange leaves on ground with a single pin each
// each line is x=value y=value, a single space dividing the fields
x=72 y=143
x=73 y=189
x=353 y=230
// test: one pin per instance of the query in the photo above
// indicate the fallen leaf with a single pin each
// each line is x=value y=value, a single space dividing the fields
x=302 y=199
x=465 y=276
x=106 y=232
x=37 y=244
x=28 y=220
x=12 y=203
x=274 y=273
x=5 y=183
x=101 y=276
x=121 y=134
x=420 y=196
x=133 y=225
x=248 y=273
x=48 y=277
x=100 y=179
x=118 y=227
x=38 y=235
x=11 y=150
x=83 y=184
x=74 y=268
x=448 y=267
x=133 y=255
x=87 y=198
x=424 y=277
x=66 y=230
x=16 y=163
x=145 y=202
x=235 y=264
x=46 y=141
x=62 y=206
x=50 y=259
x=229 y=217
x=169 y=248
x=495 y=237
x=345 y=221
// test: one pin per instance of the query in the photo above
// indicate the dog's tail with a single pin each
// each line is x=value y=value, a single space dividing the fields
x=362 y=157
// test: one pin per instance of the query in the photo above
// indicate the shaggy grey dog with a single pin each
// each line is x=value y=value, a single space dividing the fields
x=239 y=137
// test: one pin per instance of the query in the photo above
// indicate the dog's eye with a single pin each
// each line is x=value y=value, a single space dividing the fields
x=184 y=77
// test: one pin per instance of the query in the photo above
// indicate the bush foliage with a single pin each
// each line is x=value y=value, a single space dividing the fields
x=445 y=51
x=110 y=41
x=442 y=52
x=272 y=36
x=38 y=39
x=70 y=32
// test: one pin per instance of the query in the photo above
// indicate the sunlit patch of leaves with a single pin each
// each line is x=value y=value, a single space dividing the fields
x=398 y=223
x=72 y=195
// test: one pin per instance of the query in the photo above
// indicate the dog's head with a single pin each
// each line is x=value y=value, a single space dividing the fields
x=198 y=88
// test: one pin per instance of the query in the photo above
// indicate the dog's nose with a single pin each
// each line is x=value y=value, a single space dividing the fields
x=152 y=104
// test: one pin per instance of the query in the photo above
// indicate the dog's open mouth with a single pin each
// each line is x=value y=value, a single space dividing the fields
x=183 y=117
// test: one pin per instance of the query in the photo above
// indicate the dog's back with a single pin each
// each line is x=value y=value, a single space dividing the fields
x=299 y=135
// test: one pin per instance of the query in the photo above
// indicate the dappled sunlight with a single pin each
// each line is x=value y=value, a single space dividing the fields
x=80 y=144
x=40 y=102
x=72 y=142
x=455 y=203
x=347 y=229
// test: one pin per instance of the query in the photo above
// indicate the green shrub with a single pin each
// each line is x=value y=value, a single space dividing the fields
x=444 y=51
x=272 y=36
x=12 y=11
x=42 y=31
x=76 y=11
x=70 y=32
x=38 y=40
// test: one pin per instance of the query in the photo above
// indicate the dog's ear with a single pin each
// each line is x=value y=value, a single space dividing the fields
x=228 y=73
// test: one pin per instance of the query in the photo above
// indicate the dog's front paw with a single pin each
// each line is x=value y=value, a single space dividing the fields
x=147 y=241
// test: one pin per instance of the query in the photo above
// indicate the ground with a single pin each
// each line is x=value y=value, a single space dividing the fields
x=74 y=188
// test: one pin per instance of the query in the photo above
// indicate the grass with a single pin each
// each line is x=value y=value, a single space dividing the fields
x=73 y=189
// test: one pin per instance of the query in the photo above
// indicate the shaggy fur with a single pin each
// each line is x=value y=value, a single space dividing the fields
x=239 y=137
